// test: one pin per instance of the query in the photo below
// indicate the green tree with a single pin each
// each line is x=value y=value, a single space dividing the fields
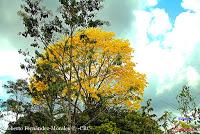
x=186 y=102
x=188 y=111
x=18 y=104
x=121 y=121
x=78 y=75
x=167 y=121
x=188 y=108
x=45 y=28
x=87 y=70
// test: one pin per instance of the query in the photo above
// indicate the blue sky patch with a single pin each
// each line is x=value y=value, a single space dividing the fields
x=172 y=7
x=5 y=78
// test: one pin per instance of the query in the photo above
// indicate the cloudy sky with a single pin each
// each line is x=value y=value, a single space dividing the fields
x=164 y=34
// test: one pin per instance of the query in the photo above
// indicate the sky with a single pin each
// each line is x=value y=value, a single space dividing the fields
x=166 y=45
x=164 y=34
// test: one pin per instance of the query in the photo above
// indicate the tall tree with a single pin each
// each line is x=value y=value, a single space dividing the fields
x=45 y=29
x=102 y=74
x=84 y=70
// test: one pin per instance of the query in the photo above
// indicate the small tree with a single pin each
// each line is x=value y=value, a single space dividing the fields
x=166 y=121
x=19 y=102
x=186 y=102
x=146 y=111
x=187 y=108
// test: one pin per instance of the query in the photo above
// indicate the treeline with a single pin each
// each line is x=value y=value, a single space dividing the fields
x=30 y=118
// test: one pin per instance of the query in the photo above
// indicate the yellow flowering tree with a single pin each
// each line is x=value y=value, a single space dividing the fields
x=85 y=70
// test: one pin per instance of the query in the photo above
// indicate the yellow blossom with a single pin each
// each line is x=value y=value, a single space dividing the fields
x=35 y=102
x=101 y=66
x=40 y=86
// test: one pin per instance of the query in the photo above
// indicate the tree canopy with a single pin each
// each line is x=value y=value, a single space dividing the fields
x=79 y=72
x=102 y=67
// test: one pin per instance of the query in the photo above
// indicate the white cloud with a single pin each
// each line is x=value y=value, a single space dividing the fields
x=141 y=23
x=151 y=57
x=155 y=22
x=160 y=23
x=5 y=44
x=152 y=2
x=184 y=76
x=166 y=59
x=147 y=3
x=185 y=34
x=9 y=69
x=193 y=77
x=193 y=5
x=10 y=64
x=10 y=60
x=163 y=64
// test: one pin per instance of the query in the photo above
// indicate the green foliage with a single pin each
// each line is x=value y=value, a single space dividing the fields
x=121 y=121
x=186 y=101
x=105 y=128
x=109 y=121
x=40 y=23
x=147 y=109
x=46 y=28
x=19 y=101
x=166 y=120
x=187 y=109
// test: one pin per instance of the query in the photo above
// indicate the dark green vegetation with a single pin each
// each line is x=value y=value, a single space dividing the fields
x=110 y=120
